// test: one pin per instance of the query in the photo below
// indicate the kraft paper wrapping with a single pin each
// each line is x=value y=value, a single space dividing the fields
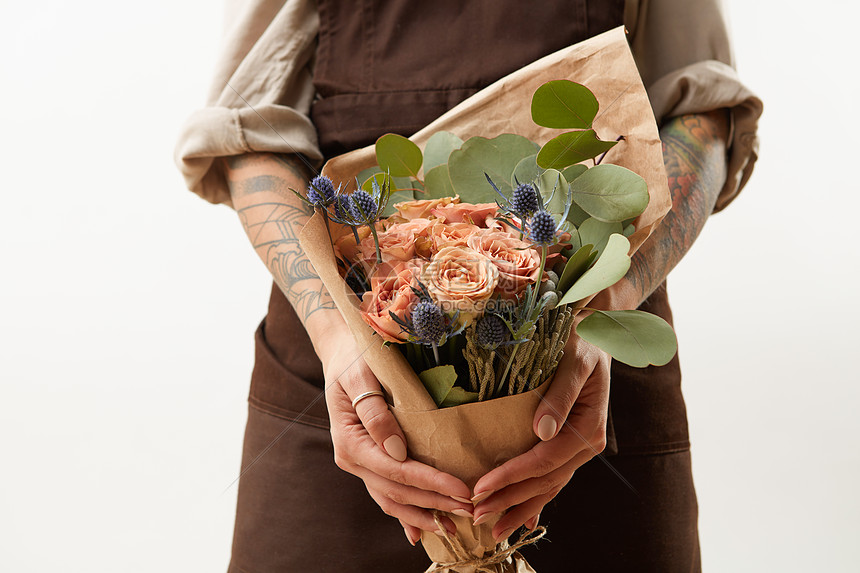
x=469 y=440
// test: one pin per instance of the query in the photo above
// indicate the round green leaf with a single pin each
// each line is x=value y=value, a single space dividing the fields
x=610 y=192
x=564 y=104
x=597 y=232
x=526 y=171
x=437 y=183
x=572 y=147
x=574 y=171
x=496 y=157
x=438 y=148
x=608 y=270
x=633 y=337
x=398 y=156
x=554 y=190
x=458 y=396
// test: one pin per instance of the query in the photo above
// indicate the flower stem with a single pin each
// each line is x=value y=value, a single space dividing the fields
x=355 y=234
x=436 y=353
x=376 y=242
x=536 y=290
x=507 y=369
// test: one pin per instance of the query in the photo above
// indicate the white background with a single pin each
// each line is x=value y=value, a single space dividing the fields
x=128 y=304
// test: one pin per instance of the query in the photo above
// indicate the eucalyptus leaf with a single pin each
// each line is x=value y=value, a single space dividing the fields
x=439 y=381
x=365 y=175
x=597 y=232
x=608 y=270
x=437 y=183
x=458 y=396
x=629 y=230
x=564 y=104
x=496 y=157
x=610 y=192
x=398 y=156
x=526 y=171
x=576 y=266
x=382 y=180
x=572 y=147
x=554 y=190
x=438 y=148
x=574 y=171
x=633 y=337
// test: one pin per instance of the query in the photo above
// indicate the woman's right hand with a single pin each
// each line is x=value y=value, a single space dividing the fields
x=369 y=443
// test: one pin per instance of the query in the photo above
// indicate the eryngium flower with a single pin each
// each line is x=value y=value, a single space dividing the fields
x=342 y=206
x=524 y=201
x=428 y=322
x=321 y=191
x=542 y=228
x=362 y=207
x=490 y=331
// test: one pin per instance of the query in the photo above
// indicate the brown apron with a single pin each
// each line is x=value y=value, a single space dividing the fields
x=394 y=67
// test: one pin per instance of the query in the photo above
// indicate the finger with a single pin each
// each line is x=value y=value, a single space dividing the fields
x=575 y=369
x=523 y=491
x=517 y=516
x=532 y=523
x=406 y=495
x=539 y=461
x=413 y=534
x=411 y=515
x=373 y=411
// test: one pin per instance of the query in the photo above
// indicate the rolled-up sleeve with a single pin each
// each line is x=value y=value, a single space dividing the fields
x=684 y=54
x=260 y=97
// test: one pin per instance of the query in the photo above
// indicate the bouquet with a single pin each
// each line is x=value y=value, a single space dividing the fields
x=461 y=267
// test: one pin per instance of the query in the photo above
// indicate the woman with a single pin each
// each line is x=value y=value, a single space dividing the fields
x=304 y=81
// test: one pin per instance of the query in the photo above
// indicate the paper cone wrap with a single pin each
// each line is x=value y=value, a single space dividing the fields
x=469 y=440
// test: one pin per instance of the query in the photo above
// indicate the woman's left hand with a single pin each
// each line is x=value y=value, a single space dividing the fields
x=571 y=423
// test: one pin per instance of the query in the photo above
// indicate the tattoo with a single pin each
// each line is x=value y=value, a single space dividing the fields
x=272 y=218
x=694 y=154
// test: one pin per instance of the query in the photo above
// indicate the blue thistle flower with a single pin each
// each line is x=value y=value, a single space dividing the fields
x=542 y=228
x=524 y=201
x=428 y=322
x=342 y=206
x=362 y=206
x=490 y=331
x=321 y=191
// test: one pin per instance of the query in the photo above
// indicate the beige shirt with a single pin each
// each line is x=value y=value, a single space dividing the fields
x=262 y=88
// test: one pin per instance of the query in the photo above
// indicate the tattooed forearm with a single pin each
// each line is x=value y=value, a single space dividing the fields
x=694 y=154
x=272 y=217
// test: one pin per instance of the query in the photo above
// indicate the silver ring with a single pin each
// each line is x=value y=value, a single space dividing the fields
x=364 y=395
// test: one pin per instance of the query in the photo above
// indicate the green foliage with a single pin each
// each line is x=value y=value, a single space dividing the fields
x=496 y=157
x=633 y=337
x=439 y=382
x=610 y=193
x=398 y=156
x=438 y=148
x=564 y=104
x=574 y=171
x=572 y=147
x=526 y=171
x=437 y=183
x=609 y=269
x=597 y=233
x=458 y=396
x=576 y=265
x=554 y=189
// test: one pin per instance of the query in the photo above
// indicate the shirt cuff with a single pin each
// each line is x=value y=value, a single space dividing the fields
x=707 y=86
x=215 y=132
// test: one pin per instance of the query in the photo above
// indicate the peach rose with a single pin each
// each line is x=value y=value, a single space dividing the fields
x=451 y=234
x=460 y=278
x=390 y=291
x=517 y=261
x=344 y=245
x=421 y=208
x=481 y=214
x=399 y=242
